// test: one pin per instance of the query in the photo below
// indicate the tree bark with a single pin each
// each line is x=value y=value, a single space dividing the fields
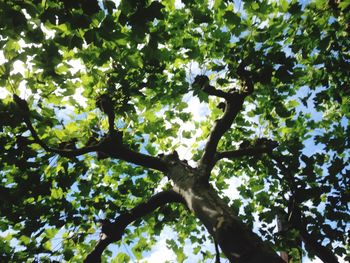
x=236 y=240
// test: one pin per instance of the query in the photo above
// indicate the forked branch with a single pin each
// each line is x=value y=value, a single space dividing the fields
x=234 y=100
x=233 y=106
x=111 y=145
x=113 y=231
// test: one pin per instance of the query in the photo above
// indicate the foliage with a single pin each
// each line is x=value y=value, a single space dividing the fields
x=141 y=54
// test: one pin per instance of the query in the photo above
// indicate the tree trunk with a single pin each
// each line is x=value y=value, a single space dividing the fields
x=237 y=241
x=280 y=228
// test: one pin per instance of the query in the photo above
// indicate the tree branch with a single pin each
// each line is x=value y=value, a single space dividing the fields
x=234 y=103
x=202 y=82
x=113 y=231
x=325 y=254
x=297 y=222
x=233 y=106
x=217 y=252
x=141 y=159
x=105 y=103
x=212 y=91
x=111 y=145
x=251 y=151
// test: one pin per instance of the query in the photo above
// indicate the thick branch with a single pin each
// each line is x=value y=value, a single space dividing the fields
x=202 y=82
x=325 y=254
x=112 y=232
x=233 y=107
x=211 y=90
x=123 y=153
x=252 y=151
x=234 y=103
x=235 y=238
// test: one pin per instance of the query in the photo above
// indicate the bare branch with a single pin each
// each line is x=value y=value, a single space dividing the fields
x=141 y=159
x=113 y=231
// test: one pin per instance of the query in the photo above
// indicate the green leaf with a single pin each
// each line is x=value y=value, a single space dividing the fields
x=344 y=4
x=56 y=193
x=232 y=18
x=135 y=60
x=187 y=134
x=293 y=103
x=282 y=111
x=217 y=4
x=24 y=240
x=203 y=96
x=47 y=246
x=284 y=5
x=11 y=49
x=255 y=6
x=140 y=246
x=50 y=233
x=68 y=254
x=121 y=258
x=150 y=149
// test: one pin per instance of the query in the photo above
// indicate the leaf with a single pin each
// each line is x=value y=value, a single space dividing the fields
x=255 y=6
x=187 y=134
x=68 y=254
x=140 y=246
x=145 y=54
x=217 y=4
x=344 y=4
x=11 y=49
x=232 y=18
x=293 y=104
x=50 y=233
x=284 y=5
x=47 y=246
x=203 y=96
x=283 y=74
x=263 y=198
x=282 y=111
x=56 y=193
x=121 y=258
x=150 y=149
x=24 y=240
x=135 y=60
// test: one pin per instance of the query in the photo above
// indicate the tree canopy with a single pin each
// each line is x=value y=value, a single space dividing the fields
x=99 y=133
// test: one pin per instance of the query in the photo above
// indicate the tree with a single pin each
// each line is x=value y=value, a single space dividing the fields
x=97 y=110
